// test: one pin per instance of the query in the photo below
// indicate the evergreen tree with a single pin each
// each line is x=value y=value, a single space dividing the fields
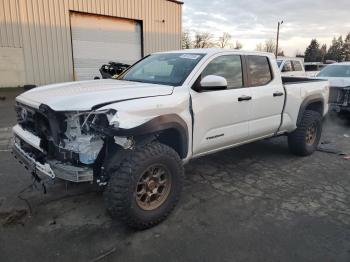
x=313 y=52
x=335 y=51
x=323 y=52
x=346 y=48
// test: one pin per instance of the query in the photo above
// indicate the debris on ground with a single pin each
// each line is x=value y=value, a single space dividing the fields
x=2 y=98
x=104 y=255
x=52 y=222
x=13 y=217
x=346 y=135
x=328 y=148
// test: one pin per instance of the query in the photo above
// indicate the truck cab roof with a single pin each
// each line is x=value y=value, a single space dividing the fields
x=212 y=51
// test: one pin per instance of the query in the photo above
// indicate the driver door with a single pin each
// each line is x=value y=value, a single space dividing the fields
x=221 y=117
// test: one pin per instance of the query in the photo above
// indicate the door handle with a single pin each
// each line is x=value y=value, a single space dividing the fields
x=244 y=98
x=278 y=94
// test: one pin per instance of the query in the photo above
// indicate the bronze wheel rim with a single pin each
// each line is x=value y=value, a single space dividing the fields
x=153 y=187
x=311 y=134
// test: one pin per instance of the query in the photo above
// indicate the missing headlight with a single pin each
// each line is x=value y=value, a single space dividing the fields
x=84 y=134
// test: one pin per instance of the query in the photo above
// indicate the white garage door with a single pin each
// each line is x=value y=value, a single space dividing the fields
x=98 y=39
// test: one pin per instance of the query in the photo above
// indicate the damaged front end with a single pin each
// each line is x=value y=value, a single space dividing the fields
x=65 y=145
x=339 y=98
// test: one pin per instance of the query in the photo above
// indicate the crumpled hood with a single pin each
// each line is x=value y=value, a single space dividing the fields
x=337 y=81
x=75 y=96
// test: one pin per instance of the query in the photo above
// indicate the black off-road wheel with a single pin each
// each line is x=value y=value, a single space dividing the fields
x=305 y=139
x=144 y=190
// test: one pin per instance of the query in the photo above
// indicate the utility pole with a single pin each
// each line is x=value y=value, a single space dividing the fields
x=278 y=36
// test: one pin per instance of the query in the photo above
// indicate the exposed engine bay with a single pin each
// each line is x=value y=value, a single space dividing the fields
x=339 y=98
x=70 y=142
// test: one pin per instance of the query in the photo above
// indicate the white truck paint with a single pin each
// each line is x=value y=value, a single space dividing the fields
x=338 y=75
x=196 y=102
x=137 y=103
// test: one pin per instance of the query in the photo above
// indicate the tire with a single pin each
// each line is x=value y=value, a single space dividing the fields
x=299 y=141
x=124 y=193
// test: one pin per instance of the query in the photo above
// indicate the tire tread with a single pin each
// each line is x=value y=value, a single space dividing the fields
x=122 y=183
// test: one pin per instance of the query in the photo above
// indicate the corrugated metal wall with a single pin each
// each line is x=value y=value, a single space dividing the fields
x=42 y=29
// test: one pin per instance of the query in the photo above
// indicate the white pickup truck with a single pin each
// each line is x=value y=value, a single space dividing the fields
x=291 y=66
x=132 y=135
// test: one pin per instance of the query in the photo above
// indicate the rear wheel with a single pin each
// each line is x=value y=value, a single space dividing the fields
x=146 y=187
x=304 y=140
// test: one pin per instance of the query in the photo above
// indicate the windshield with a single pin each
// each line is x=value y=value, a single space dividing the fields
x=164 y=69
x=279 y=62
x=335 y=71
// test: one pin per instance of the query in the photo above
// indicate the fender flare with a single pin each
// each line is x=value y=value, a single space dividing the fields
x=308 y=101
x=158 y=124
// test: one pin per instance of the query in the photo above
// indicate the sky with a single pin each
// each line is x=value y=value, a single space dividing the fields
x=253 y=21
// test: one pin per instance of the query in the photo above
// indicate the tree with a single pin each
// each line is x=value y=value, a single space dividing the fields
x=299 y=54
x=239 y=45
x=224 y=40
x=323 y=52
x=186 y=40
x=335 y=50
x=313 y=52
x=259 y=47
x=268 y=46
x=280 y=53
x=346 y=48
x=203 y=40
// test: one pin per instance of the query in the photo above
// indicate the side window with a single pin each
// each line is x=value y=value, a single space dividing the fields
x=297 y=66
x=227 y=66
x=258 y=70
x=287 y=67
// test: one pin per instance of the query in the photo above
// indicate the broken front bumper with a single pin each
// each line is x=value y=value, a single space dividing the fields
x=31 y=165
x=50 y=169
x=339 y=99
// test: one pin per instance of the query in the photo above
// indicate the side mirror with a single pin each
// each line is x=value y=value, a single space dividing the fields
x=213 y=82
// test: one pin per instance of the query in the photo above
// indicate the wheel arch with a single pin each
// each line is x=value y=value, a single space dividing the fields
x=171 y=130
x=314 y=103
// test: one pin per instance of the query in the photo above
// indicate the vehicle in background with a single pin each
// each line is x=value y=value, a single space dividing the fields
x=313 y=68
x=338 y=75
x=132 y=135
x=291 y=66
x=112 y=69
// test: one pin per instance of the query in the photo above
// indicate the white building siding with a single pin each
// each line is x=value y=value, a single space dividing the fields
x=42 y=29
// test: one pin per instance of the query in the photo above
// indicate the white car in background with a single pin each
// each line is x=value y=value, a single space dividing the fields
x=313 y=68
x=339 y=77
x=291 y=66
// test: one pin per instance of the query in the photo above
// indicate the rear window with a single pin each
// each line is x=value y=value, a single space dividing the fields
x=287 y=67
x=259 y=71
x=297 y=66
